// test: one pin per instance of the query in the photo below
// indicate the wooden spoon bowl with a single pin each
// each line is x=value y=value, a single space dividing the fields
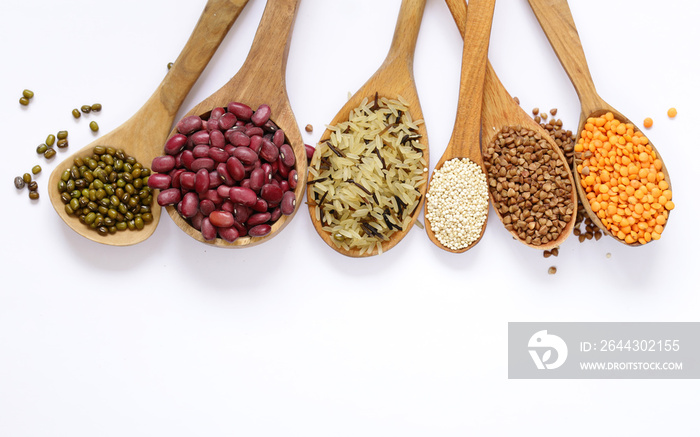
x=142 y=136
x=394 y=78
x=500 y=110
x=558 y=24
x=465 y=139
x=260 y=80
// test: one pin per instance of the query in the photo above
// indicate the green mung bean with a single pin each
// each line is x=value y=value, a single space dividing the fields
x=62 y=134
x=50 y=140
x=86 y=109
x=28 y=94
x=50 y=153
x=23 y=101
x=76 y=113
x=96 y=107
x=93 y=126
x=42 y=148
x=36 y=169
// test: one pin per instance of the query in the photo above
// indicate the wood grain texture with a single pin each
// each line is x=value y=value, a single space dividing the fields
x=500 y=110
x=144 y=134
x=557 y=22
x=465 y=139
x=260 y=80
x=393 y=78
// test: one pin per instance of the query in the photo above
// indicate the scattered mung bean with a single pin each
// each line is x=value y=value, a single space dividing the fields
x=19 y=183
x=50 y=153
x=62 y=134
x=96 y=107
x=27 y=178
x=86 y=109
x=34 y=195
x=36 y=169
x=28 y=94
x=42 y=148
x=93 y=126
x=23 y=101
x=76 y=113
x=50 y=140
x=62 y=144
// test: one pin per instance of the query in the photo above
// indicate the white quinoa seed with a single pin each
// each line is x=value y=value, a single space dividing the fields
x=457 y=203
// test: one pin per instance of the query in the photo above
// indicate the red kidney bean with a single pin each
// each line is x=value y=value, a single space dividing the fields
x=275 y=214
x=245 y=155
x=224 y=174
x=268 y=171
x=284 y=185
x=289 y=202
x=243 y=195
x=200 y=137
x=269 y=152
x=223 y=190
x=229 y=234
x=271 y=192
x=240 y=110
x=257 y=179
x=229 y=148
x=242 y=230
x=163 y=164
x=259 y=230
x=261 y=205
x=217 y=139
x=221 y=219
x=175 y=177
x=189 y=124
x=292 y=179
x=187 y=158
x=282 y=169
x=216 y=113
x=227 y=121
x=206 y=206
x=189 y=204
x=214 y=179
x=208 y=230
x=175 y=144
x=239 y=139
x=252 y=131
x=261 y=115
x=245 y=183
x=258 y=219
x=309 y=151
x=270 y=126
x=256 y=143
x=287 y=155
x=228 y=206
x=171 y=196
x=200 y=163
x=159 y=181
x=235 y=168
x=187 y=180
x=196 y=221
x=275 y=168
x=241 y=213
x=212 y=195
x=200 y=151
x=201 y=181
x=278 y=137
x=217 y=154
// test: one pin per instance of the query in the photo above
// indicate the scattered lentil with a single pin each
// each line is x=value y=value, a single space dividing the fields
x=552 y=270
x=309 y=128
x=530 y=185
x=457 y=203
x=672 y=112
x=648 y=122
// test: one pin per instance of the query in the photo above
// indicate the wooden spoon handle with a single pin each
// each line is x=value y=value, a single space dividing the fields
x=558 y=24
x=270 y=48
x=465 y=135
x=403 y=45
x=213 y=25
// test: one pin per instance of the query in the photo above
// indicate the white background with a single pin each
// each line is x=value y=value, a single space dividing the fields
x=173 y=337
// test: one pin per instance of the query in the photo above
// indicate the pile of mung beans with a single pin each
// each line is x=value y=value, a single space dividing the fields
x=107 y=191
x=230 y=174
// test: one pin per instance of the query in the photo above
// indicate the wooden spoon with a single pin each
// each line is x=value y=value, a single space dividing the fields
x=393 y=78
x=143 y=135
x=558 y=24
x=260 y=80
x=498 y=110
x=464 y=142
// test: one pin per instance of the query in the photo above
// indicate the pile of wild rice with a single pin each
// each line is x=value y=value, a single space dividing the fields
x=367 y=183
